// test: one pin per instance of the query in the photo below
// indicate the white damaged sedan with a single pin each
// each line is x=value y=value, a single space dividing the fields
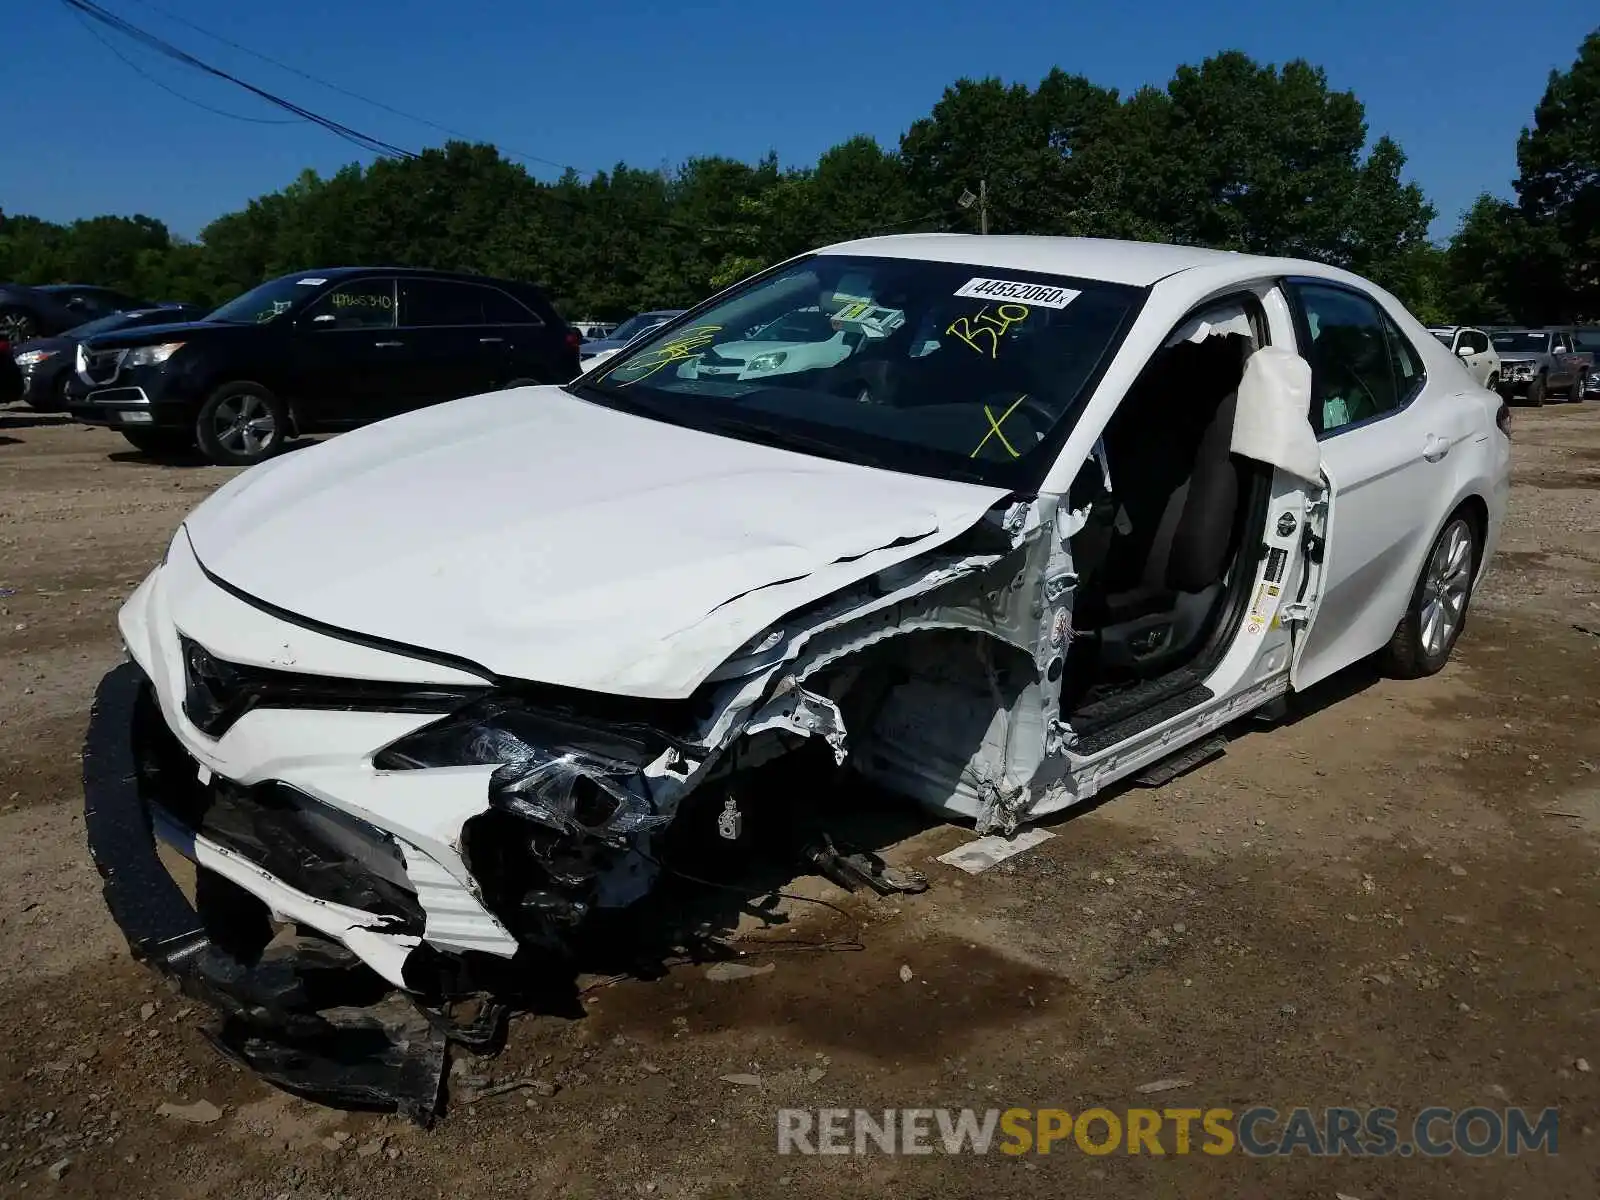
x=432 y=694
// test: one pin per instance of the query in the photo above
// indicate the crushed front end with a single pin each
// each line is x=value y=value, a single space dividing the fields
x=385 y=838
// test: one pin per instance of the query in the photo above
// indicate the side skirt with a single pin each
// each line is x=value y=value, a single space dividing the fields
x=1088 y=774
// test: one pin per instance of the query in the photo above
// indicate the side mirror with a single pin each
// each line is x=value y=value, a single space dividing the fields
x=1464 y=351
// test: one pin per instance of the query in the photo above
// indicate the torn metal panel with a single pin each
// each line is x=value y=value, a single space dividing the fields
x=953 y=744
x=805 y=713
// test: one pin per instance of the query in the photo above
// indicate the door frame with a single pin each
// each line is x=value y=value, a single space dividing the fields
x=1251 y=662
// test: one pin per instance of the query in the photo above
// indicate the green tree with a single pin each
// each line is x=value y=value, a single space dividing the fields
x=1231 y=153
x=1022 y=143
x=1558 y=183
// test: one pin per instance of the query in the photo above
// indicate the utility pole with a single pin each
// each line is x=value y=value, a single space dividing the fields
x=967 y=200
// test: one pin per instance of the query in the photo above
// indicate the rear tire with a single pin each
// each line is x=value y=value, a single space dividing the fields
x=17 y=325
x=241 y=424
x=1575 y=392
x=159 y=443
x=1437 y=613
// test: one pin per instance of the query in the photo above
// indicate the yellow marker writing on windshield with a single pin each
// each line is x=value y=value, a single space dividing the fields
x=994 y=427
x=686 y=344
x=981 y=325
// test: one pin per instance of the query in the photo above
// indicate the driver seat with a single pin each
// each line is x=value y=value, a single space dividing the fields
x=1180 y=521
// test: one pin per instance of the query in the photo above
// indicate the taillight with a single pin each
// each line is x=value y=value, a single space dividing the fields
x=1502 y=418
x=5 y=346
x=574 y=340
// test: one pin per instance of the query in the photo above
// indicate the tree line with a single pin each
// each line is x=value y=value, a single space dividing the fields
x=1231 y=154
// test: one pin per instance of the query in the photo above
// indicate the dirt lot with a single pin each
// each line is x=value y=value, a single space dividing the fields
x=1392 y=899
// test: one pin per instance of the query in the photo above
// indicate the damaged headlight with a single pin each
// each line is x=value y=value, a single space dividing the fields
x=561 y=774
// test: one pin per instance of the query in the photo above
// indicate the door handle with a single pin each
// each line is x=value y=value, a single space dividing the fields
x=1435 y=448
x=385 y=345
x=488 y=341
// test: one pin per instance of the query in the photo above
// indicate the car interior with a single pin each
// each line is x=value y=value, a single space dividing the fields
x=1162 y=573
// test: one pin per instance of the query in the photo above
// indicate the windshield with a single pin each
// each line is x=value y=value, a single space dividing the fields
x=935 y=368
x=634 y=326
x=1526 y=343
x=807 y=325
x=1443 y=336
x=269 y=300
x=1587 y=339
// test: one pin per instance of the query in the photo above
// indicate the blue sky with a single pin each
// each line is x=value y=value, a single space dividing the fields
x=648 y=83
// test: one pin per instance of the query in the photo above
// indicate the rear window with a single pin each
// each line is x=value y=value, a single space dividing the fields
x=501 y=309
x=1525 y=343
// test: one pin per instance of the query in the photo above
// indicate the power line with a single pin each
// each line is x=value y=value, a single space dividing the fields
x=344 y=91
x=140 y=71
x=165 y=48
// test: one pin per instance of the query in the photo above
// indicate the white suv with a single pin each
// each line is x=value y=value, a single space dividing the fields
x=1474 y=349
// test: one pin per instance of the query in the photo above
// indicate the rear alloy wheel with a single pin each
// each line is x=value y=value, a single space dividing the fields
x=1437 y=613
x=241 y=424
x=17 y=326
x=1579 y=386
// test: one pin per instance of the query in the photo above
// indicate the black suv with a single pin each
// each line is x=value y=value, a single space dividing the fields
x=315 y=351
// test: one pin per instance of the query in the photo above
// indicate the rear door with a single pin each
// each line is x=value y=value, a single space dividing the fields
x=534 y=343
x=1387 y=436
x=351 y=363
x=456 y=353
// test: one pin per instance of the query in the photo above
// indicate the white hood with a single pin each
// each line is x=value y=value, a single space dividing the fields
x=546 y=538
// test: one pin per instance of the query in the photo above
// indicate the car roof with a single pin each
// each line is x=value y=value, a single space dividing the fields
x=1137 y=263
x=419 y=272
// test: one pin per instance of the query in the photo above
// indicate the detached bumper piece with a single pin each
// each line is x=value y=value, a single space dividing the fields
x=305 y=1013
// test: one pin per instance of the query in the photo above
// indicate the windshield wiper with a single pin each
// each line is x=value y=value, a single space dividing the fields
x=618 y=398
x=784 y=439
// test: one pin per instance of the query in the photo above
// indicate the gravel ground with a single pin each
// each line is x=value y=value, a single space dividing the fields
x=1390 y=899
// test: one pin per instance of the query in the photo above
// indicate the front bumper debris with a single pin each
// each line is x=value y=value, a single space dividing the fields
x=307 y=1015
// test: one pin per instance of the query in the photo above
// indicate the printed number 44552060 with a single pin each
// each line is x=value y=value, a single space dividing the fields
x=983 y=330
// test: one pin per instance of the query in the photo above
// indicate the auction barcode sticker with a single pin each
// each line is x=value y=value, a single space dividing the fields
x=1044 y=295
